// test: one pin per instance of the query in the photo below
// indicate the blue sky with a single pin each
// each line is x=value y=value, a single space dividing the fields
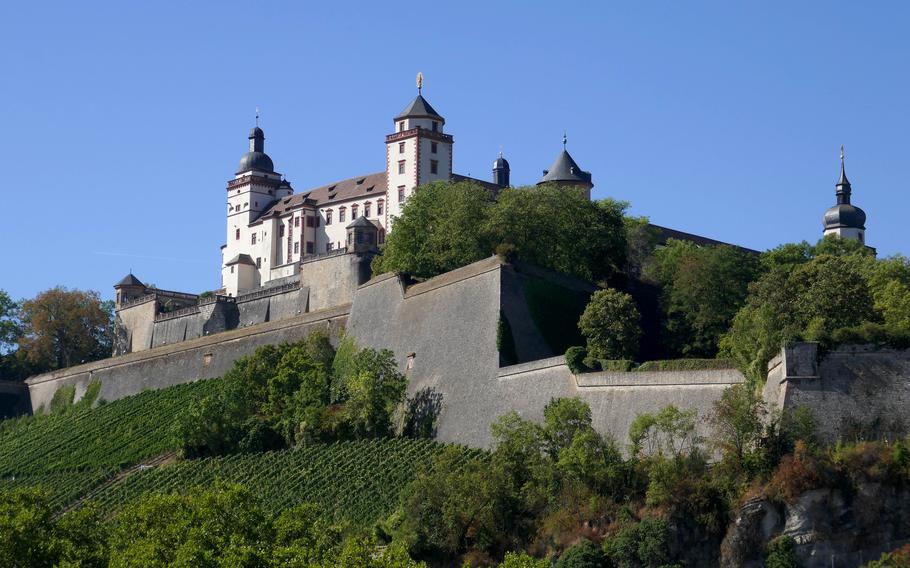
x=125 y=120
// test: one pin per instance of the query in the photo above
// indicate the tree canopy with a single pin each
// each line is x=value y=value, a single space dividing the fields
x=445 y=225
x=611 y=325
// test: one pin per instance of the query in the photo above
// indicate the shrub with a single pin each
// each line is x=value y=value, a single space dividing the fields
x=687 y=365
x=611 y=324
x=585 y=554
x=63 y=399
x=796 y=474
x=575 y=357
x=899 y=558
x=640 y=545
x=781 y=553
x=523 y=560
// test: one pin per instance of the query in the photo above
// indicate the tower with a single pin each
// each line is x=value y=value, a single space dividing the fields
x=501 y=171
x=565 y=172
x=255 y=186
x=845 y=219
x=417 y=152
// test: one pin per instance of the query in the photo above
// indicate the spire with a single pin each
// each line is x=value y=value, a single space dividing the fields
x=843 y=184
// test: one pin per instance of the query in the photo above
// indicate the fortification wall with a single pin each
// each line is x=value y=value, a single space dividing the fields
x=854 y=391
x=449 y=324
x=135 y=326
x=184 y=362
x=333 y=279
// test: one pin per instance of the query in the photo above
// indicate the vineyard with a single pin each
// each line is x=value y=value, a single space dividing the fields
x=357 y=482
x=73 y=452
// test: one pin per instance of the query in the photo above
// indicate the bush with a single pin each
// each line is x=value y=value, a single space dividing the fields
x=687 y=365
x=640 y=545
x=899 y=558
x=63 y=399
x=523 y=560
x=585 y=554
x=781 y=553
x=611 y=324
x=575 y=357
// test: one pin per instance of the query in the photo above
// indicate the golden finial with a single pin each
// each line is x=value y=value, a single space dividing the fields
x=419 y=81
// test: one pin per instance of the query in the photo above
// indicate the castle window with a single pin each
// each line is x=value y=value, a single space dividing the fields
x=310 y=221
x=296 y=248
x=353 y=211
x=258 y=262
x=309 y=247
x=232 y=269
x=435 y=126
x=401 y=147
x=434 y=147
x=253 y=239
x=401 y=167
x=366 y=209
x=400 y=193
x=281 y=230
x=341 y=212
x=237 y=235
x=434 y=166
x=401 y=126
x=296 y=221
x=328 y=217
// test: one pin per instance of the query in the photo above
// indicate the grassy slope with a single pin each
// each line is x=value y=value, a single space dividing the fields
x=74 y=454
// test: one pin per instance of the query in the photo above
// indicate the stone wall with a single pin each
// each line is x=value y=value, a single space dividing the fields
x=449 y=323
x=201 y=358
x=854 y=391
x=333 y=278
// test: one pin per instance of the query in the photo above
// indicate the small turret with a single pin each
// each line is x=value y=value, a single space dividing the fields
x=501 y=171
x=844 y=219
x=362 y=235
x=127 y=289
x=566 y=172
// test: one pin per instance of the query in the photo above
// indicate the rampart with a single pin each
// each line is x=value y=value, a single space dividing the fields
x=854 y=392
x=201 y=358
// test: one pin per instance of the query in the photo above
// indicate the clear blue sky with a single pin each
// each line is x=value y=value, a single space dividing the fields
x=123 y=121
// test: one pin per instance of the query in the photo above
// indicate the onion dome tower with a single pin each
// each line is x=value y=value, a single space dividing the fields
x=501 y=171
x=566 y=172
x=256 y=159
x=844 y=219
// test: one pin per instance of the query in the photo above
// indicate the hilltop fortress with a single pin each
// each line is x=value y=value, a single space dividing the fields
x=297 y=262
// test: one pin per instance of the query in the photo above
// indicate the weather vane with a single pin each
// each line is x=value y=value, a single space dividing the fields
x=257 y=117
x=842 y=153
x=419 y=81
x=564 y=140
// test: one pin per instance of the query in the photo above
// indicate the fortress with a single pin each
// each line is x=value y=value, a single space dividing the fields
x=296 y=262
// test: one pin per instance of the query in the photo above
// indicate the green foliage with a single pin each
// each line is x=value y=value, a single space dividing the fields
x=522 y=560
x=781 y=553
x=441 y=228
x=555 y=311
x=640 y=545
x=446 y=225
x=899 y=558
x=293 y=394
x=805 y=294
x=702 y=289
x=575 y=357
x=687 y=365
x=611 y=325
x=505 y=341
x=669 y=433
x=614 y=365
x=92 y=390
x=63 y=399
x=560 y=229
x=585 y=554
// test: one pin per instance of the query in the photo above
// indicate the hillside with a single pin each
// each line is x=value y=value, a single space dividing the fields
x=102 y=453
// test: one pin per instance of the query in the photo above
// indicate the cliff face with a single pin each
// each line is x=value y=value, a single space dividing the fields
x=842 y=527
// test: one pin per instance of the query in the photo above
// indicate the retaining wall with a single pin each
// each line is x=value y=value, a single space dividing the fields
x=184 y=362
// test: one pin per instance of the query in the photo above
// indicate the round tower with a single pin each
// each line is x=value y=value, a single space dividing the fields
x=845 y=219
x=501 y=171
x=567 y=173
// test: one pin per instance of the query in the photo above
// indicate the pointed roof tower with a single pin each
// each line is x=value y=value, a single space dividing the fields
x=565 y=171
x=844 y=215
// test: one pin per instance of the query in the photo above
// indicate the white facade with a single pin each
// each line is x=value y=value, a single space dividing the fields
x=270 y=228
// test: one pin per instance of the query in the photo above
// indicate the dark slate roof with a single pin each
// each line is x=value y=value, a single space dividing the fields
x=129 y=280
x=665 y=233
x=844 y=215
x=500 y=163
x=241 y=259
x=360 y=222
x=257 y=132
x=486 y=184
x=258 y=161
x=419 y=107
x=565 y=169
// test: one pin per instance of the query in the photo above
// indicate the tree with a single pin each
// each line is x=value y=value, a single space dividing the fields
x=560 y=229
x=10 y=329
x=441 y=228
x=375 y=389
x=611 y=324
x=702 y=289
x=63 y=327
x=738 y=424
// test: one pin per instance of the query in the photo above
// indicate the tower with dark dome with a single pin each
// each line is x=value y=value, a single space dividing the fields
x=845 y=219
x=501 y=171
x=567 y=173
